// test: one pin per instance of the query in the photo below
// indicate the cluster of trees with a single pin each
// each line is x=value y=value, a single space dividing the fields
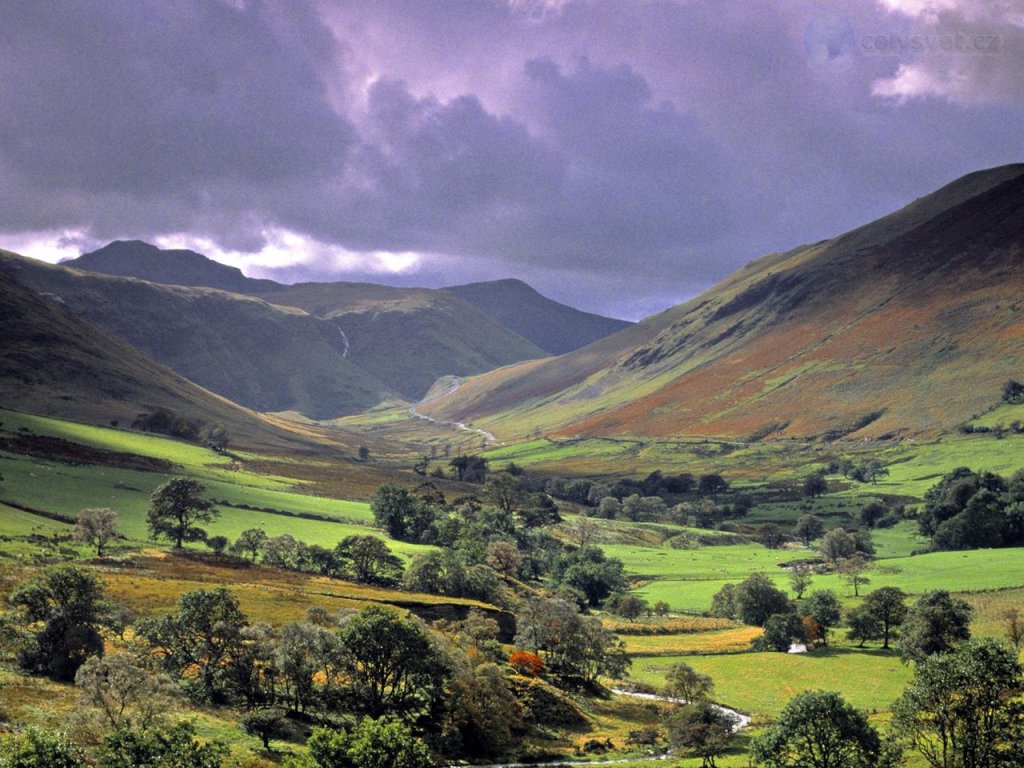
x=936 y=623
x=961 y=710
x=407 y=688
x=971 y=510
x=166 y=422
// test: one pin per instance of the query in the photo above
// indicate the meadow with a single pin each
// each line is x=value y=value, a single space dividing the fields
x=286 y=495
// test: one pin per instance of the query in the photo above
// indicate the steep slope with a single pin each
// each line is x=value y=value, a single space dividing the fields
x=53 y=363
x=410 y=337
x=554 y=327
x=134 y=258
x=266 y=357
x=907 y=325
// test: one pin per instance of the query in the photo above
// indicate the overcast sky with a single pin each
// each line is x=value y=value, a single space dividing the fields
x=620 y=156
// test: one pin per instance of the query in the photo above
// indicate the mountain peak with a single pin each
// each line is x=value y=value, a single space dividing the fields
x=177 y=266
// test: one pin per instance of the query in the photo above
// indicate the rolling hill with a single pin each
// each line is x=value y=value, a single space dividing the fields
x=908 y=325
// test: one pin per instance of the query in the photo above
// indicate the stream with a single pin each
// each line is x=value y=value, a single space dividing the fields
x=741 y=722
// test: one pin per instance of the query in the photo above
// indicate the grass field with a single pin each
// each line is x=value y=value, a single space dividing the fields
x=762 y=683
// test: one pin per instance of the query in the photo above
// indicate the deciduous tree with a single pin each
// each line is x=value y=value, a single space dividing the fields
x=936 y=623
x=96 y=526
x=175 y=509
x=817 y=729
x=960 y=710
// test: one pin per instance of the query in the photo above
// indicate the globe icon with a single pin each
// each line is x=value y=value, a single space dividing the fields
x=830 y=43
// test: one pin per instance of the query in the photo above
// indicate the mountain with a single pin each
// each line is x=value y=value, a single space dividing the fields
x=360 y=345
x=134 y=258
x=554 y=327
x=54 y=363
x=908 y=325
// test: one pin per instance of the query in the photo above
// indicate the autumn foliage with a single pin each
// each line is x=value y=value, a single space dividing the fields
x=526 y=663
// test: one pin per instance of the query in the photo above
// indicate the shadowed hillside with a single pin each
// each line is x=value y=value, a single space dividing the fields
x=554 y=327
x=910 y=324
x=54 y=363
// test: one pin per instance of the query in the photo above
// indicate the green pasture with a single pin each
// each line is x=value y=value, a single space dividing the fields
x=762 y=683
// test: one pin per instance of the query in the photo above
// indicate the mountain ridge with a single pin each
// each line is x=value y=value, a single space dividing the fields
x=551 y=326
x=813 y=341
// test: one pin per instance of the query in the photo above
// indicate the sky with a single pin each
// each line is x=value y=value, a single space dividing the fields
x=618 y=155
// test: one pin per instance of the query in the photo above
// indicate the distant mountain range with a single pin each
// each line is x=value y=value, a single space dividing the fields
x=321 y=349
x=908 y=325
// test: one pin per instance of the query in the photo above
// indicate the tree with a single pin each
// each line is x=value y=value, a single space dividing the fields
x=506 y=492
x=817 y=729
x=124 y=691
x=771 y=535
x=837 y=545
x=723 y=602
x=368 y=560
x=175 y=509
x=250 y=541
x=712 y=484
x=808 y=528
x=389 y=663
x=577 y=649
x=215 y=436
x=265 y=723
x=959 y=711
x=886 y=606
x=1014 y=626
x=852 y=570
x=363 y=453
x=592 y=573
x=630 y=607
x=823 y=607
x=218 y=544
x=96 y=526
x=583 y=530
x=306 y=652
x=863 y=624
x=871 y=513
x=34 y=748
x=815 y=485
x=202 y=636
x=373 y=743
x=936 y=623
x=756 y=598
x=702 y=729
x=404 y=516
x=469 y=469
x=175 y=747
x=685 y=683
x=781 y=630
x=70 y=604
x=504 y=557
x=800 y=577
x=661 y=608
x=1013 y=392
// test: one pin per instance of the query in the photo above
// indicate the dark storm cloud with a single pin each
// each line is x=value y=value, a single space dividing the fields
x=617 y=155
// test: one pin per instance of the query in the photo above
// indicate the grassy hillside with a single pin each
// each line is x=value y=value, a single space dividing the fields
x=409 y=338
x=554 y=327
x=266 y=357
x=909 y=325
x=54 y=363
